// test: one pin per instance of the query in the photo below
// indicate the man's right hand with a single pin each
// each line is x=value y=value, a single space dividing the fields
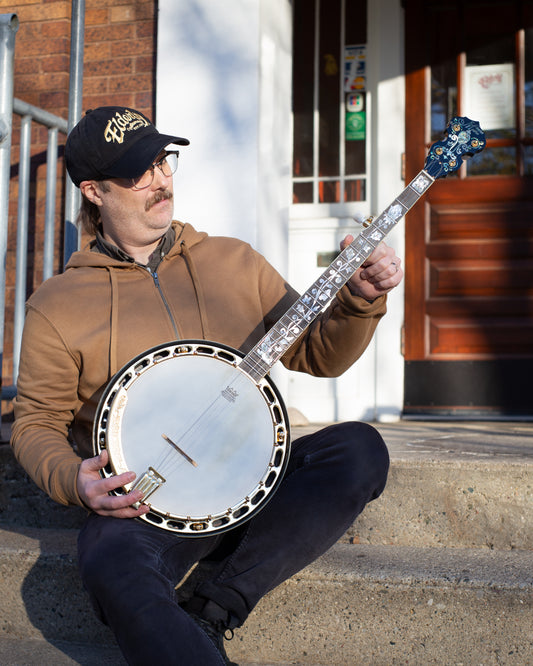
x=94 y=490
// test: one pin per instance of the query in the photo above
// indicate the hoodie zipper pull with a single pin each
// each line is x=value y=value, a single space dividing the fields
x=165 y=303
x=155 y=276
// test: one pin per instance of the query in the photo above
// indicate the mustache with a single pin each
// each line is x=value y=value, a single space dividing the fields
x=158 y=196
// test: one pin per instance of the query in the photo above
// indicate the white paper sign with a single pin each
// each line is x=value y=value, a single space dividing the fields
x=489 y=96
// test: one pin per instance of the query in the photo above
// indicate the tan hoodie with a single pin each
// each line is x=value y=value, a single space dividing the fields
x=83 y=325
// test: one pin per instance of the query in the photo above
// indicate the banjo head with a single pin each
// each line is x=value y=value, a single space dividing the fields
x=209 y=444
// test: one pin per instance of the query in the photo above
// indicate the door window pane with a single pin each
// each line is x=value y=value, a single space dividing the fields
x=500 y=160
x=302 y=193
x=328 y=88
x=355 y=148
x=528 y=84
x=355 y=190
x=489 y=84
x=443 y=97
x=330 y=124
x=302 y=94
x=490 y=76
x=442 y=47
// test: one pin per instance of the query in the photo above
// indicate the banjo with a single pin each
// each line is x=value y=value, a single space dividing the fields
x=212 y=447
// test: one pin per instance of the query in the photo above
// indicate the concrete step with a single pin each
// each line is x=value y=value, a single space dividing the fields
x=359 y=604
x=395 y=605
x=461 y=485
x=39 y=652
x=437 y=571
x=453 y=484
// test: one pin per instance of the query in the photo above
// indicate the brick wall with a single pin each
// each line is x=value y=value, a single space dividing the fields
x=119 y=57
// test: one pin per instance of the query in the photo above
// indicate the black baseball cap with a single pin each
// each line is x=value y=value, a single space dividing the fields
x=114 y=142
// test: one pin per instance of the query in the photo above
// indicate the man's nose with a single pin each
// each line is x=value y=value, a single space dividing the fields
x=160 y=179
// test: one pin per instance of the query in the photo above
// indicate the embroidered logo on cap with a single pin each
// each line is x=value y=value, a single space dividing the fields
x=121 y=123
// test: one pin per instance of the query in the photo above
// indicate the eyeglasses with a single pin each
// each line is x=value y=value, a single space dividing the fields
x=168 y=165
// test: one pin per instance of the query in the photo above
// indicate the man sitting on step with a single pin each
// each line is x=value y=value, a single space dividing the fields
x=146 y=280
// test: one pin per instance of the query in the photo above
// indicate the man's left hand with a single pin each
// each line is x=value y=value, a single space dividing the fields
x=380 y=273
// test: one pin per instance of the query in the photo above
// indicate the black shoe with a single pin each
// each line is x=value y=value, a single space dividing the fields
x=217 y=633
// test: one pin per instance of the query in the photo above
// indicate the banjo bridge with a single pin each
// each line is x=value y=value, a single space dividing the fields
x=148 y=483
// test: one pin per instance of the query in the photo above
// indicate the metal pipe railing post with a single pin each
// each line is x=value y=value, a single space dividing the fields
x=22 y=239
x=50 y=206
x=9 y=25
x=72 y=194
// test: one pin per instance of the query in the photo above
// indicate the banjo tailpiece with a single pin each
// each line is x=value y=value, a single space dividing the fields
x=148 y=483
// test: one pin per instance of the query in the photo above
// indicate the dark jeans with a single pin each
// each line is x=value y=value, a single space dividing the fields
x=131 y=568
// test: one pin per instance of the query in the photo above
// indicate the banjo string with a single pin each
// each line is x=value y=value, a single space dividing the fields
x=201 y=427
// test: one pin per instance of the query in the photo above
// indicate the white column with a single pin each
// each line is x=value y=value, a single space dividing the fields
x=386 y=71
x=224 y=82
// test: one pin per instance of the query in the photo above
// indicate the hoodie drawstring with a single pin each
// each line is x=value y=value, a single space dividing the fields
x=197 y=289
x=113 y=334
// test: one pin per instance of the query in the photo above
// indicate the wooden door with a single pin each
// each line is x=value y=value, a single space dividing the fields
x=468 y=338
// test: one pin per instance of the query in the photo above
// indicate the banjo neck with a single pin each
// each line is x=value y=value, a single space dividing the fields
x=464 y=138
x=316 y=299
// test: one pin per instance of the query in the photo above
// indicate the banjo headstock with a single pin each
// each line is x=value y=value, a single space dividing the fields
x=464 y=139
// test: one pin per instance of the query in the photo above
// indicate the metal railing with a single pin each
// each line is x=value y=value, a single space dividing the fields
x=30 y=114
x=9 y=25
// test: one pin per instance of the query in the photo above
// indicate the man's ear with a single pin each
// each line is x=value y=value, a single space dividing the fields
x=91 y=191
